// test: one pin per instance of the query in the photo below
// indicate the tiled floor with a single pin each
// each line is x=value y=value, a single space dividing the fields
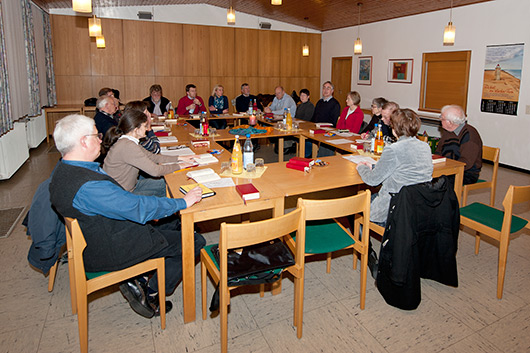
x=464 y=319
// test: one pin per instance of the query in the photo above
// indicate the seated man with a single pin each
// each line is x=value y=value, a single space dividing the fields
x=104 y=118
x=190 y=103
x=245 y=98
x=460 y=141
x=327 y=109
x=280 y=102
x=116 y=224
x=158 y=104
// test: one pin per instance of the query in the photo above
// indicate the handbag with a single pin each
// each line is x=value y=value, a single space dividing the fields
x=255 y=264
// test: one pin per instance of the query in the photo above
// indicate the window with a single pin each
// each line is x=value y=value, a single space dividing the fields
x=444 y=80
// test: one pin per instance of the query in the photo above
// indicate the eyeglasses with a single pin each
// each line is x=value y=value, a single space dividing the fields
x=98 y=135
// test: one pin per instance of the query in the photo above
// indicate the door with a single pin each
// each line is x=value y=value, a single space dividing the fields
x=341 y=78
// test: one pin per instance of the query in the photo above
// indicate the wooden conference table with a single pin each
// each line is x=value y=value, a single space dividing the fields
x=277 y=183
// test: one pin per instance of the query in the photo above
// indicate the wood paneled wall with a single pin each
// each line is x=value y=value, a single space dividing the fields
x=140 y=53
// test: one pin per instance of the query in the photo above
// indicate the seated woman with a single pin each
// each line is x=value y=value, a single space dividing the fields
x=377 y=107
x=150 y=142
x=218 y=104
x=405 y=162
x=126 y=158
x=352 y=116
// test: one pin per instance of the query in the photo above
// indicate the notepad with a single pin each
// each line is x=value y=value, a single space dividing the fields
x=206 y=192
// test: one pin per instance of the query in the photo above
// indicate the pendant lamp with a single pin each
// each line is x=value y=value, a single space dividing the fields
x=450 y=30
x=231 y=16
x=100 y=42
x=276 y=2
x=358 y=44
x=94 y=26
x=82 y=5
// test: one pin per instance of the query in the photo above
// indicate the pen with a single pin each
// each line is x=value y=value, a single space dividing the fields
x=181 y=170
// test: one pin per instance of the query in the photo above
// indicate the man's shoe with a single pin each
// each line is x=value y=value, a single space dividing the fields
x=135 y=293
x=373 y=263
x=155 y=304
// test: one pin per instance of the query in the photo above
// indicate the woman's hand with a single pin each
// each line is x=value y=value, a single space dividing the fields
x=368 y=164
x=188 y=159
x=225 y=111
x=364 y=135
x=193 y=196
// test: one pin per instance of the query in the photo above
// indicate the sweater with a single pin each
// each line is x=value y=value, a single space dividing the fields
x=464 y=145
x=242 y=103
x=327 y=111
x=185 y=102
x=405 y=162
x=164 y=102
x=305 y=111
x=126 y=158
x=353 y=121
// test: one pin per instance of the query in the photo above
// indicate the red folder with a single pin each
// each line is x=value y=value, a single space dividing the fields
x=161 y=133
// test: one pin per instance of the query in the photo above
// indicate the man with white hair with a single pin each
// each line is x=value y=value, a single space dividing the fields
x=460 y=141
x=280 y=102
x=104 y=117
x=117 y=225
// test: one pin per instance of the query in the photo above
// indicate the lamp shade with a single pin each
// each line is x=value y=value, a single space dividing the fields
x=100 y=42
x=305 y=50
x=231 y=16
x=276 y=2
x=449 y=34
x=94 y=27
x=358 y=46
x=82 y=5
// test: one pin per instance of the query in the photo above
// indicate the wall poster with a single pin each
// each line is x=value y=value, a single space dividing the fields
x=502 y=78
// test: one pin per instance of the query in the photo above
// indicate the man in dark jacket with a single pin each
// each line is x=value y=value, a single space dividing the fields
x=117 y=225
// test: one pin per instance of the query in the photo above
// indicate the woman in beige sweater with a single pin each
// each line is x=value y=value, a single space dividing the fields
x=126 y=158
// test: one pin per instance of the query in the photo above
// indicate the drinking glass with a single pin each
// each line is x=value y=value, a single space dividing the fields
x=251 y=169
x=295 y=125
x=213 y=131
x=225 y=166
x=260 y=163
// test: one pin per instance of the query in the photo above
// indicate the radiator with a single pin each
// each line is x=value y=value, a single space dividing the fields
x=36 y=130
x=13 y=150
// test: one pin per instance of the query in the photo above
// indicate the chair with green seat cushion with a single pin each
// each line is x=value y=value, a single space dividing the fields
x=235 y=236
x=325 y=235
x=497 y=224
x=490 y=154
x=83 y=283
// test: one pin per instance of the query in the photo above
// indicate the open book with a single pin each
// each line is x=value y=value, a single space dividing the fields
x=206 y=158
x=203 y=175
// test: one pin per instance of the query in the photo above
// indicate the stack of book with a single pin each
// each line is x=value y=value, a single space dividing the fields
x=300 y=163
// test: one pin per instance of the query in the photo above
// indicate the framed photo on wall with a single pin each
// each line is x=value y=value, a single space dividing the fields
x=400 y=70
x=365 y=71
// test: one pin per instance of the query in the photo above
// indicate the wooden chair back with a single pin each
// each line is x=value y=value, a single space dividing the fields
x=81 y=287
x=491 y=154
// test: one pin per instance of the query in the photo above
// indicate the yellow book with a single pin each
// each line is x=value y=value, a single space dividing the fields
x=206 y=192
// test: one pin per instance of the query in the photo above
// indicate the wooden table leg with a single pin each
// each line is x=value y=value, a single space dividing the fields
x=188 y=268
x=301 y=149
x=315 y=151
x=459 y=181
x=280 y=149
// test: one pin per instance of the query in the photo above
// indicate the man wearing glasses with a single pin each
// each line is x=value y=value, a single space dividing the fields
x=117 y=225
x=460 y=141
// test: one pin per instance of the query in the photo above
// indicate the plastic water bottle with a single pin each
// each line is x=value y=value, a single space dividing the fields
x=373 y=135
x=248 y=152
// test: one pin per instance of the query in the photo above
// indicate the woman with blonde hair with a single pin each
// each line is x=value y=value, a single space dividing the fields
x=218 y=104
x=352 y=116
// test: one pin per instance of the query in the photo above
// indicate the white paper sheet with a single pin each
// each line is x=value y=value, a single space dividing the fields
x=338 y=141
x=355 y=158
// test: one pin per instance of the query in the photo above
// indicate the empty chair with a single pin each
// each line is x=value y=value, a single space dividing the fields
x=496 y=224
x=83 y=283
x=324 y=234
x=234 y=236
x=490 y=154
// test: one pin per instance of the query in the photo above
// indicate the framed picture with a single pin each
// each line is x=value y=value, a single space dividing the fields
x=400 y=70
x=365 y=71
